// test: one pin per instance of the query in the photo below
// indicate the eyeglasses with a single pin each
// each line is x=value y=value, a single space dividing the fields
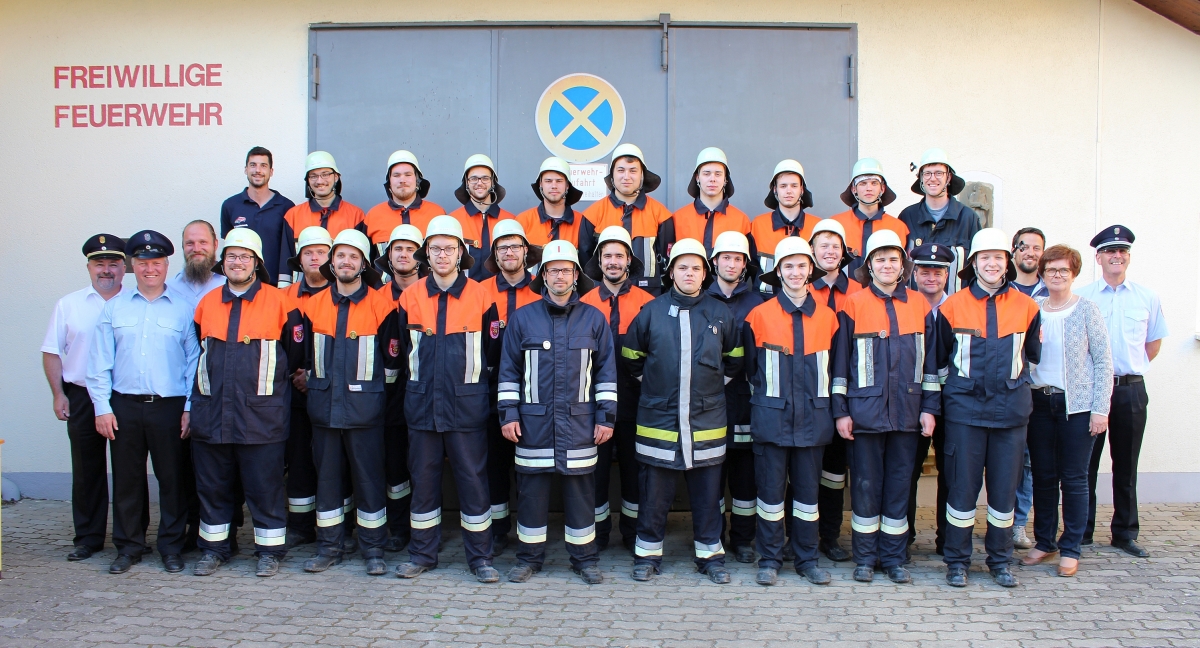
x=240 y=258
x=505 y=249
x=471 y=180
x=321 y=176
x=558 y=272
x=1057 y=272
x=933 y=174
x=435 y=250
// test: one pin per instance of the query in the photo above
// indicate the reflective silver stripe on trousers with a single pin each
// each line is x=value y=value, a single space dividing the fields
x=585 y=375
x=962 y=359
x=266 y=367
x=685 y=386
x=302 y=504
x=602 y=512
x=319 y=355
x=213 y=532
x=202 y=379
x=1017 y=362
x=822 y=374
x=579 y=536
x=473 y=343
x=531 y=376
x=414 y=355
x=270 y=537
x=400 y=491
x=366 y=357
x=531 y=535
x=866 y=362
x=741 y=434
x=647 y=548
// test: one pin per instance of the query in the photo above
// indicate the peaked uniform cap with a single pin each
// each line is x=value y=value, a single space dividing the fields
x=103 y=246
x=512 y=227
x=932 y=254
x=988 y=239
x=791 y=246
x=148 y=244
x=561 y=251
x=612 y=233
x=706 y=156
x=650 y=180
x=1117 y=236
x=868 y=166
x=955 y=184
x=788 y=166
x=563 y=168
x=247 y=239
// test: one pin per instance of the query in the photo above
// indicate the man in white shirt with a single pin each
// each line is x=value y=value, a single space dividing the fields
x=64 y=359
x=1136 y=328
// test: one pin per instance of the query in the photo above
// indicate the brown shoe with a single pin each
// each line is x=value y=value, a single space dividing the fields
x=1036 y=556
x=1067 y=571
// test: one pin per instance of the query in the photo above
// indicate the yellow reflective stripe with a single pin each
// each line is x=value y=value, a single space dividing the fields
x=661 y=435
x=709 y=435
x=631 y=354
x=737 y=352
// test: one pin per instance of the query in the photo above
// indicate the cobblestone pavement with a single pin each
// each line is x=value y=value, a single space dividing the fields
x=1115 y=600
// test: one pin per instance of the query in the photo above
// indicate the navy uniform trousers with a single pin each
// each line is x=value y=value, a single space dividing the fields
x=628 y=468
x=467 y=452
x=259 y=469
x=399 y=483
x=301 y=476
x=774 y=467
x=832 y=497
x=738 y=475
x=657 y=490
x=972 y=454
x=938 y=441
x=501 y=455
x=880 y=476
x=356 y=451
x=533 y=511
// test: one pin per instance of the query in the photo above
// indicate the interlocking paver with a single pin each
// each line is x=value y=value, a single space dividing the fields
x=1115 y=600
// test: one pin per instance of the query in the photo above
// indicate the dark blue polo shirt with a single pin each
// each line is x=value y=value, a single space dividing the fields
x=266 y=221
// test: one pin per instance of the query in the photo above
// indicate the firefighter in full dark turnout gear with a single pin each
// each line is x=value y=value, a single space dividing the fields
x=252 y=335
x=885 y=391
x=558 y=401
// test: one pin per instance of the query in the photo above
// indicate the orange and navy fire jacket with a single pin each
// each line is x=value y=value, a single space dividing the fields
x=384 y=217
x=540 y=229
x=447 y=347
x=697 y=221
x=507 y=298
x=300 y=293
x=984 y=346
x=248 y=346
x=354 y=351
x=339 y=215
x=788 y=363
x=769 y=229
x=834 y=294
x=641 y=219
x=859 y=228
x=619 y=310
x=885 y=361
x=477 y=229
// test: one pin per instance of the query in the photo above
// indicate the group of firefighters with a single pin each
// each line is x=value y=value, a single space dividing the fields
x=347 y=358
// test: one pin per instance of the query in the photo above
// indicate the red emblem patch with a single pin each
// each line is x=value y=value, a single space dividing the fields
x=394 y=348
x=298 y=333
x=495 y=330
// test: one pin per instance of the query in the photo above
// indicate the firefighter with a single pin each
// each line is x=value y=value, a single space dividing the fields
x=630 y=207
x=400 y=263
x=480 y=194
x=558 y=401
x=735 y=275
x=613 y=267
x=553 y=219
x=885 y=390
x=324 y=207
x=682 y=345
x=252 y=336
x=312 y=251
x=828 y=243
x=508 y=288
x=988 y=334
x=787 y=199
x=354 y=350
x=939 y=217
x=867 y=196
x=787 y=341
x=406 y=189
x=448 y=320
x=709 y=213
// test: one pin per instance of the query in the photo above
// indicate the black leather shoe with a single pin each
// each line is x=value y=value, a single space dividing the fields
x=82 y=552
x=320 y=563
x=1132 y=548
x=718 y=574
x=267 y=566
x=395 y=543
x=744 y=554
x=207 y=565
x=816 y=575
x=864 y=574
x=833 y=551
x=956 y=577
x=1004 y=577
x=410 y=570
x=486 y=574
x=521 y=573
x=172 y=563
x=898 y=574
x=376 y=566
x=499 y=544
x=590 y=574
x=644 y=572
x=767 y=576
x=123 y=563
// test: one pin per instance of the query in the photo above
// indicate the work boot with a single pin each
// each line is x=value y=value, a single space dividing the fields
x=590 y=574
x=208 y=564
x=395 y=543
x=717 y=574
x=522 y=572
x=956 y=577
x=744 y=554
x=644 y=572
x=321 y=562
x=267 y=566
x=376 y=566
x=864 y=574
x=410 y=570
x=816 y=575
x=486 y=574
x=898 y=574
x=833 y=551
x=1020 y=539
x=1004 y=577
x=767 y=576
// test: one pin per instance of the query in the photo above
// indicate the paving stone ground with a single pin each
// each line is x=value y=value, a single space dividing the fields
x=1115 y=600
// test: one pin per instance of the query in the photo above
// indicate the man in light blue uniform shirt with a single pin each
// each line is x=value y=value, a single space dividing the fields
x=140 y=370
x=1136 y=327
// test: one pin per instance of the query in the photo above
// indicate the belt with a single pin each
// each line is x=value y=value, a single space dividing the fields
x=141 y=398
x=1049 y=391
x=1127 y=380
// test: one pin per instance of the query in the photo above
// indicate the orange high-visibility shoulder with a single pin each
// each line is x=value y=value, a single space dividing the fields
x=966 y=314
x=870 y=314
x=464 y=314
x=629 y=304
x=690 y=224
x=766 y=237
x=500 y=298
x=472 y=226
x=382 y=219
x=854 y=228
x=261 y=319
x=538 y=232
x=839 y=297
x=364 y=318
x=772 y=327
x=346 y=217
x=603 y=214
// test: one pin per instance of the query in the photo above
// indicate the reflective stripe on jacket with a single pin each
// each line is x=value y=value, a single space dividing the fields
x=771 y=228
x=558 y=378
x=737 y=389
x=641 y=219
